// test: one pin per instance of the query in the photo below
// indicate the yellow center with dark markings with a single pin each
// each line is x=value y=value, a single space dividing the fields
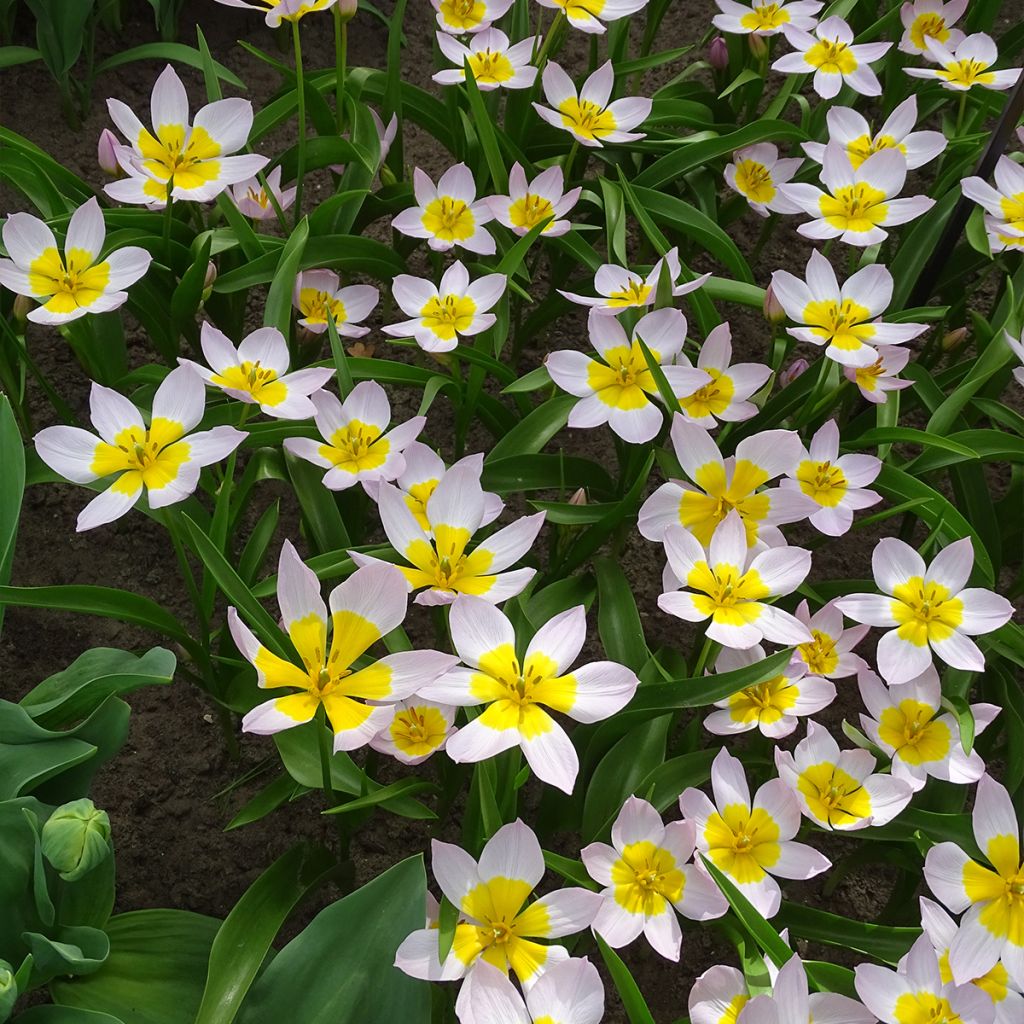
x=859 y=208
x=72 y=282
x=586 y=118
x=925 y=611
x=448 y=219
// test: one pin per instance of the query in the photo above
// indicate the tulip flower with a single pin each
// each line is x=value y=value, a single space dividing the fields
x=619 y=389
x=721 y=486
x=967 y=65
x=829 y=654
x=907 y=721
x=1017 y=348
x=647 y=877
x=727 y=583
x=915 y=991
x=591 y=15
x=444 y=313
x=417 y=729
x=791 y=1002
x=318 y=294
x=252 y=198
x=529 y=203
x=929 y=607
x=72 y=282
x=859 y=204
x=875 y=381
x=569 y=991
x=995 y=982
x=448 y=214
x=190 y=160
x=844 y=319
x=494 y=62
x=718 y=996
x=441 y=563
x=1004 y=204
x=773 y=706
x=836 y=788
x=163 y=459
x=516 y=693
x=930 y=19
x=993 y=926
x=726 y=397
x=620 y=289
x=75 y=839
x=282 y=10
x=499 y=927
x=795 y=368
x=851 y=131
x=750 y=841
x=587 y=115
x=764 y=18
x=365 y=607
x=256 y=372
x=459 y=16
x=356 y=445
x=756 y=173
x=834 y=482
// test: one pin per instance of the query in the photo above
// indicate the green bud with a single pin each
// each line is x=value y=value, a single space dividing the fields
x=8 y=989
x=76 y=839
x=387 y=176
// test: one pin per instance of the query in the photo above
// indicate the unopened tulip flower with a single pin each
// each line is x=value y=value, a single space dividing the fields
x=529 y=203
x=853 y=133
x=647 y=877
x=418 y=728
x=498 y=926
x=993 y=927
x=875 y=381
x=75 y=839
x=915 y=991
x=721 y=486
x=908 y=722
x=252 y=199
x=163 y=459
x=318 y=294
x=106 y=153
x=764 y=18
x=771 y=307
x=365 y=607
x=830 y=653
x=257 y=372
x=750 y=841
x=618 y=388
x=727 y=583
x=930 y=19
x=773 y=706
x=441 y=562
x=860 y=203
x=995 y=982
x=620 y=289
x=836 y=788
x=282 y=10
x=493 y=60
x=448 y=214
x=756 y=173
x=791 y=372
x=969 y=64
x=843 y=319
x=587 y=115
x=791 y=1002
x=442 y=314
x=591 y=15
x=831 y=54
x=356 y=445
x=517 y=693
x=836 y=483
x=193 y=160
x=1004 y=203
x=569 y=991
x=929 y=608
x=74 y=281
x=718 y=54
x=718 y=996
x=725 y=396
x=460 y=16
x=1017 y=347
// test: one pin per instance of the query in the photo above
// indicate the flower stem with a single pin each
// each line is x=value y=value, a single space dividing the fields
x=300 y=87
x=569 y=158
x=703 y=657
x=168 y=208
x=549 y=39
x=340 y=64
x=961 y=110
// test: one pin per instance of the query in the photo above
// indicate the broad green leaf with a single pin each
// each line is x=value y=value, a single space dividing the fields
x=278 y=309
x=534 y=430
x=404 y=787
x=629 y=992
x=618 y=621
x=177 y=53
x=12 y=458
x=883 y=942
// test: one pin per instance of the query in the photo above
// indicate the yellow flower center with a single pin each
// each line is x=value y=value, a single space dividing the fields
x=925 y=611
x=856 y=208
x=356 y=447
x=832 y=57
x=910 y=729
x=315 y=307
x=754 y=180
x=530 y=210
x=448 y=219
x=712 y=399
x=72 y=284
x=966 y=73
x=742 y=842
x=1013 y=210
x=863 y=146
x=820 y=654
x=259 y=196
x=463 y=14
x=867 y=376
x=833 y=796
x=841 y=324
x=644 y=877
x=185 y=154
x=822 y=481
x=766 y=702
x=635 y=293
x=727 y=594
x=581 y=8
x=448 y=315
x=490 y=67
x=765 y=16
x=151 y=457
x=924 y=1007
x=586 y=118
x=259 y=381
x=930 y=24
x=419 y=730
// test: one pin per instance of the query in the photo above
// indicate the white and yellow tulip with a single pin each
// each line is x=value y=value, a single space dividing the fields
x=494 y=62
x=254 y=200
x=417 y=729
x=765 y=17
x=448 y=214
x=718 y=996
x=830 y=653
x=282 y=10
x=529 y=203
x=925 y=20
x=879 y=378
x=966 y=66
x=318 y=295
x=591 y=15
x=1004 y=204
x=791 y=1002
x=461 y=16
x=756 y=172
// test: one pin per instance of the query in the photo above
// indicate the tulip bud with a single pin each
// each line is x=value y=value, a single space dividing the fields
x=791 y=372
x=76 y=839
x=387 y=176
x=579 y=498
x=718 y=54
x=21 y=308
x=8 y=989
x=773 y=311
x=758 y=47
x=952 y=340
x=347 y=9
x=106 y=153
x=208 y=280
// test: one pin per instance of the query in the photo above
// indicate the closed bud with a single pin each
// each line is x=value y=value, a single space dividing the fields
x=387 y=176
x=209 y=279
x=76 y=839
x=773 y=311
x=791 y=372
x=758 y=47
x=718 y=54
x=106 y=153
x=952 y=340
x=347 y=9
x=579 y=498
x=21 y=308
x=8 y=989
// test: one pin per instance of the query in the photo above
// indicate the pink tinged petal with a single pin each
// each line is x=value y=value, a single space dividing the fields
x=663 y=933
x=172 y=491
x=217 y=348
x=481 y=242
x=87 y=231
x=952 y=566
x=477 y=742
x=776 y=798
x=227 y=122
x=701 y=900
x=944 y=872
x=959 y=651
x=894 y=562
x=486 y=290
x=738 y=636
x=374 y=592
x=598 y=859
x=637 y=426
x=488 y=995
x=765 y=895
x=782 y=570
x=307 y=448
x=569 y=911
x=889 y=797
x=881 y=989
x=267 y=347
x=799 y=861
x=267 y=718
x=298 y=589
x=571 y=372
x=681 y=605
x=210 y=446
x=417 y=956
x=902 y=210
x=616 y=925
x=454 y=870
x=69 y=451
x=111 y=413
x=181 y=398
x=871 y=609
x=975 y=950
x=169 y=103
x=513 y=852
x=603 y=688
x=983 y=611
x=478 y=628
x=637 y=822
x=728 y=781
x=509 y=544
x=899 y=660
x=780 y=627
x=570 y=990
x=107 y=506
x=993 y=817
x=560 y=639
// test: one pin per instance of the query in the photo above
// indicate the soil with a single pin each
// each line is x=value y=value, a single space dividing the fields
x=173 y=787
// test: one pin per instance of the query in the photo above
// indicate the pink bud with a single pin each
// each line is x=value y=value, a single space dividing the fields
x=718 y=54
x=791 y=372
x=106 y=153
x=773 y=311
x=347 y=9
x=211 y=275
x=579 y=498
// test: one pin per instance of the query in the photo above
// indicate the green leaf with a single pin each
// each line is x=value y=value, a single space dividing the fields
x=65 y=1015
x=278 y=310
x=908 y=435
x=12 y=458
x=618 y=621
x=532 y=381
x=571 y=870
x=10 y=56
x=484 y=124
x=883 y=942
x=245 y=937
x=362 y=930
x=404 y=787
x=177 y=53
x=534 y=430
x=632 y=1001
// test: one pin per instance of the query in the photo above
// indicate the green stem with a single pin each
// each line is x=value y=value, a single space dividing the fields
x=340 y=64
x=168 y=207
x=323 y=742
x=961 y=110
x=703 y=657
x=170 y=520
x=569 y=158
x=549 y=40
x=300 y=88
